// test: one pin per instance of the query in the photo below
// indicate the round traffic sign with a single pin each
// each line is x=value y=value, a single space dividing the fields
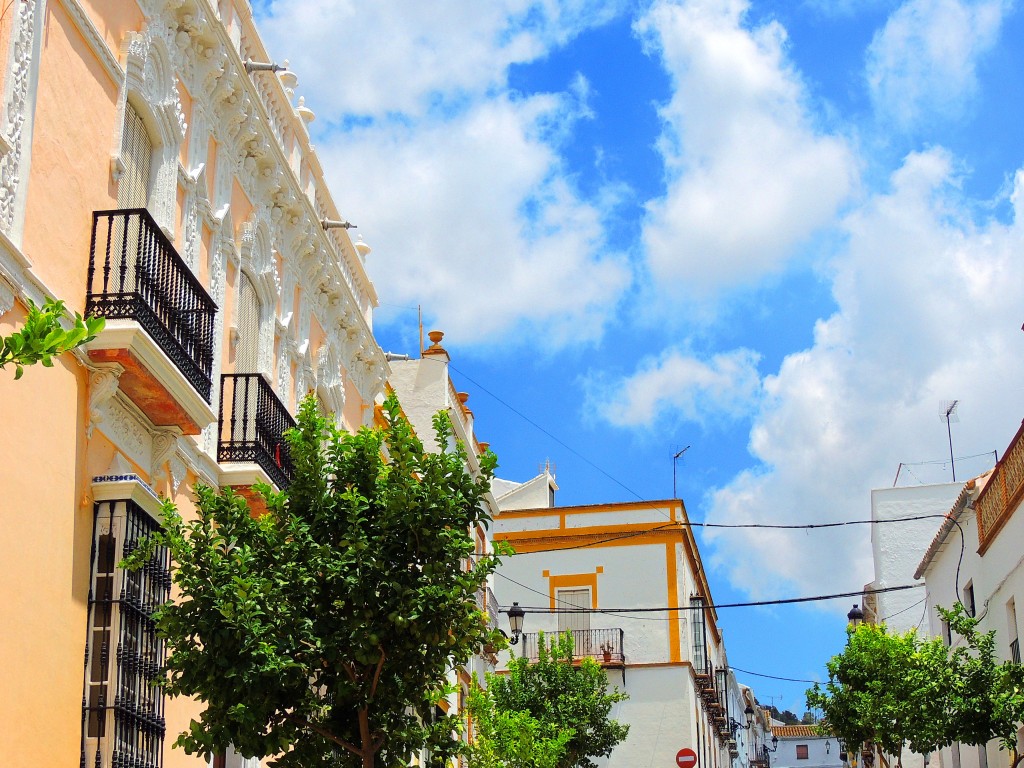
x=686 y=758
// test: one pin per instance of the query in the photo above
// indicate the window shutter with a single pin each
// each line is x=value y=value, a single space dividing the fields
x=137 y=156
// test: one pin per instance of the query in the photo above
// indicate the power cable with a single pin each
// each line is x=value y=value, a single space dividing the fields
x=773 y=677
x=702 y=606
x=771 y=526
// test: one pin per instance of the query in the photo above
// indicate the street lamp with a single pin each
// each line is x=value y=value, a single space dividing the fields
x=515 y=622
x=749 y=713
x=855 y=616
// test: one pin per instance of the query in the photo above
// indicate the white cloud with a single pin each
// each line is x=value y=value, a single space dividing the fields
x=458 y=185
x=683 y=386
x=749 y=175
x=929 y=310
x=472 y=218
x=407 y=55
x=922 y=64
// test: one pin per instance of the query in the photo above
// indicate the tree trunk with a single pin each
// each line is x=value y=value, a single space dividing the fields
x=366 y=742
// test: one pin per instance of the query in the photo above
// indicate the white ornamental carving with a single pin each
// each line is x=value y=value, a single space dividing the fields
x=103 y=384
x=19 y=83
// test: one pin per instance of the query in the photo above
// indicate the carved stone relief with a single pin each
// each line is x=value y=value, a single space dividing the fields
x=17 y=108
x=103 y=383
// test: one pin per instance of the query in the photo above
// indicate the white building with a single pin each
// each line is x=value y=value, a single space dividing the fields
x=574 y=563
x=976 y=558
x=801 y=746
x=897 y=548
x=424 y=388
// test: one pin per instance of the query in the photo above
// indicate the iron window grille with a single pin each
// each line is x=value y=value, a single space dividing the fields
x=122 y=706
x=700 y=639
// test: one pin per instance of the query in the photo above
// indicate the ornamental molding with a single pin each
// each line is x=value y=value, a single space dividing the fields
x=165 y=444
x=252 y=119
x=94 y=38
x=7 y=294
x=103 y=383
x=150 y=58
x=125 y=430
x=19 y=102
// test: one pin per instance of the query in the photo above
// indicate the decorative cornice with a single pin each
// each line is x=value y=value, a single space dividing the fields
x=94 y=38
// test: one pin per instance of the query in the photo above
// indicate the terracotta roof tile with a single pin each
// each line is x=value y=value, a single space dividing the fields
x=797 y=732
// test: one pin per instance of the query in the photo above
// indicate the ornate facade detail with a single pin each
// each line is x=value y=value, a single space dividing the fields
x=103 y=384
x=150 y=84
x=6 y=298
x=126 y=431
x=179 y=469
x=21 y=71
x=165 y=443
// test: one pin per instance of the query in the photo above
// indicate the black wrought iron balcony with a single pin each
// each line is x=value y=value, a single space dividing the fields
x=603 y=645
x=253 y=421
x=135 y=273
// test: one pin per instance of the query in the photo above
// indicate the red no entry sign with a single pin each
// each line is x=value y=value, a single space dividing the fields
x=686 y=758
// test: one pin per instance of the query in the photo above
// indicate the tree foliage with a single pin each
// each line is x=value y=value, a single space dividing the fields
x=512 y=739
x=897 y=690
x=321 y=633
x=564 y=697
x=42 y=337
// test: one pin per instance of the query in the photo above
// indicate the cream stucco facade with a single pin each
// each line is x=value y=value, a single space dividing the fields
x=151 y=174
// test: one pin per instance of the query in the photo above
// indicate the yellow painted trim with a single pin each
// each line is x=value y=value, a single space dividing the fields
x=586 y=509
x=530 y=542
x=570 y=580
x=672 y=594
x=657 y=664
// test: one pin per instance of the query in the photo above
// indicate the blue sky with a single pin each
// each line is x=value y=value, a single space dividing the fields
x=780 y=233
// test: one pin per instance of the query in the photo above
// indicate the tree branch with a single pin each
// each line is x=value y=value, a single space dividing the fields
x=323 y=732
x=376 y=673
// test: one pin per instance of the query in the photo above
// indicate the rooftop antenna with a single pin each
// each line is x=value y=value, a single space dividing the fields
x=675 y=458
x=949 y=414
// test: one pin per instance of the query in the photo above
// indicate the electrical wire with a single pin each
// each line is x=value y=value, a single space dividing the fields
x=765 y=526
x=702 y=606
x=558 y=440
x=773 y=677
x=904 y=610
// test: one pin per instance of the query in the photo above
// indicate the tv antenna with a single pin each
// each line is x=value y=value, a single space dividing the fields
x=675 y=458
x=949 y=415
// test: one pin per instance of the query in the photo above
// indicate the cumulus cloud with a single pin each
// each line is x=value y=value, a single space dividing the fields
x=749 y=175
x=406 y=56
x=929 y=307
x=681 y=386
x=473 y=218
x=922 y=64
x=456 y=183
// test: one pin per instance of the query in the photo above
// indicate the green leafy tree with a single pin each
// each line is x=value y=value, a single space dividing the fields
x=321 y=633
x=901 y=690
x=563 y=696
x=42 y=337
x=511 y=739
x=986 y=696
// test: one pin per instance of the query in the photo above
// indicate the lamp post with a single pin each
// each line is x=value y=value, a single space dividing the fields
x=515 y=622
x=855 y=616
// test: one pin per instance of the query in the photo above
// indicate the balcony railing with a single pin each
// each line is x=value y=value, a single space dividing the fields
x=1015 y=651
x=603 y=645
x=1002 y=493
x=252 y=425
x=488 y=603
x=136 y=274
